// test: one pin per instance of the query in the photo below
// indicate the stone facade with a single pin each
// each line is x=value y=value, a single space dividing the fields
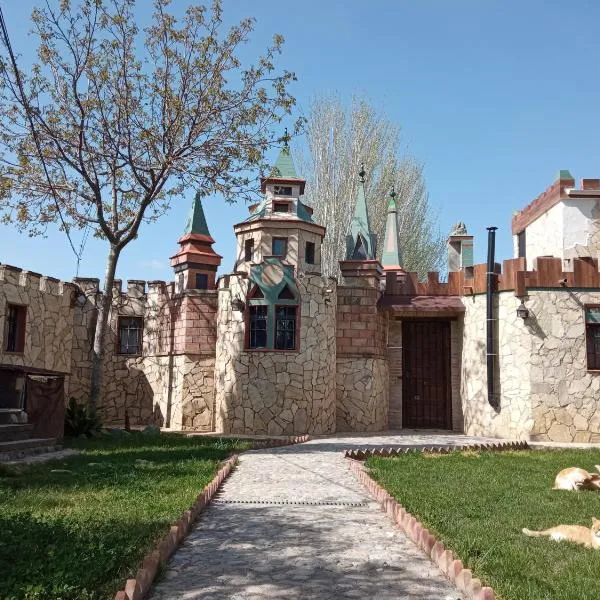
x=48 y=335
x=275 y=348
x=546 y=391
x=277 y=392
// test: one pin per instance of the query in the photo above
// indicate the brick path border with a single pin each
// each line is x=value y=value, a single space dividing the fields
x=386 y=451
x=449 y=564
x=136 y=589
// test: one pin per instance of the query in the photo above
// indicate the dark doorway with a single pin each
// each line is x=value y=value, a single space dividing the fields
x=426 y=388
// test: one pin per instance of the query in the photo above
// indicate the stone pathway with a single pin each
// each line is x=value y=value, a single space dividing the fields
x=293 y=523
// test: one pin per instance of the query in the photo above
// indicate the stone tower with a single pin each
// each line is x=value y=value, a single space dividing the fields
x=460 y=250
x=276 y=361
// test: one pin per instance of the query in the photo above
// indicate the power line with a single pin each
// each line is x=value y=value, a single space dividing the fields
x=34 y=134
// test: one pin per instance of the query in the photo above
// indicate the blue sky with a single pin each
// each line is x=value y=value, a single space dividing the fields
x=493 y=96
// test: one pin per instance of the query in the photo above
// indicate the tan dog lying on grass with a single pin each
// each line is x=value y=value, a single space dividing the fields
x=576 y=479
x=590 y=538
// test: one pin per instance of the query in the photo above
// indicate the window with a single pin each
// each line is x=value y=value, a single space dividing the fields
x=285 y=327
x=258 y=326
x=521 y=242
x=286 y=293
x=201 y=281
x=130 y=335
x=309 y=254
x=592 y=337
x=248 y=250
x=282 y=190
x=281 y=207
x=15 y=328
x=279 y=247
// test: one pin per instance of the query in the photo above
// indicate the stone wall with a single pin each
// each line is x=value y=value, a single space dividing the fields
x=170 y=383
x=277 y=392
x=565 y=396
x=48 y=321
x=514 y=343
x=362 y=394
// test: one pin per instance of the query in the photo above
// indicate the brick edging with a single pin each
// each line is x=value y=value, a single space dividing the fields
x=136 y=589
x=360 y=454
x=450 y=565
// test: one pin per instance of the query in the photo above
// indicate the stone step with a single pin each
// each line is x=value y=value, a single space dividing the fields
x=17 y=449
x=10 y=416
x=10 y=433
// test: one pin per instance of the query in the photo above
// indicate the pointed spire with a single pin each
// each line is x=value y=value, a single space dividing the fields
x=360 y=244
x=196 y=222
x=391 y=260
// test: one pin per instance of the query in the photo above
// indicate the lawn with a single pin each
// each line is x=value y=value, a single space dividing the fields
x=477 y=504
x=79 y=527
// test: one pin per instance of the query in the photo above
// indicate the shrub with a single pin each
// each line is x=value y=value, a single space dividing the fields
x=81 y=419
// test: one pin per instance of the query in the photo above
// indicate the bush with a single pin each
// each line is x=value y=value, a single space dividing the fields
x=81 y=419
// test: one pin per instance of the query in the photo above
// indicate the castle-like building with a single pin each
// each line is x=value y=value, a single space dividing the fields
x=274 y=347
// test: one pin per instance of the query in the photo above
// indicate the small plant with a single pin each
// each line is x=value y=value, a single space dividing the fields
x=81 y=419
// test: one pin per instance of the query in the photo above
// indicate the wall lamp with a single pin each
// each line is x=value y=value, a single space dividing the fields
x=522 y=311
x=237 y=304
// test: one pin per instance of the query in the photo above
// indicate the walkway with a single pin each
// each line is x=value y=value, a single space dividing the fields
x=294 y=523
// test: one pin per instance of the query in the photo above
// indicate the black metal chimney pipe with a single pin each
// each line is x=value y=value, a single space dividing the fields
x=490 y=289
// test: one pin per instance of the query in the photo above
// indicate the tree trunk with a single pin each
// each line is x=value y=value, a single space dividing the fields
x=102 y=321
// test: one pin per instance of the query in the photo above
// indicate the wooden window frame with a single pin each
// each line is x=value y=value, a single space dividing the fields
x=141 y=336
x=589 y=327
x=198 y=287
x=249 y=249
x=295 y=330
x=279 y=239
x=249 y=322
x=313 y=247
x=16 y=344
x=278 y=205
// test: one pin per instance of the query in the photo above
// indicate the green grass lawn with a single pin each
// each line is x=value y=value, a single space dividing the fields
x=82 y=532
x=477 y=504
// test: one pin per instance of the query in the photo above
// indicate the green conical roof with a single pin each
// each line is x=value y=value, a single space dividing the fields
x=361 y=242
x=196 y=222
x=284 y=165
x=391 y=257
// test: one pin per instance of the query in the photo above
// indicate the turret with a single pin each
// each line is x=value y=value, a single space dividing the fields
x=361 y=267
x=196 y=263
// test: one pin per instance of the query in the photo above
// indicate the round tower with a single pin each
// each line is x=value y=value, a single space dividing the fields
x=276 y=346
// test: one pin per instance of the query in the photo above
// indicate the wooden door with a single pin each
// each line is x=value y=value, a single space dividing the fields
x=426 y=384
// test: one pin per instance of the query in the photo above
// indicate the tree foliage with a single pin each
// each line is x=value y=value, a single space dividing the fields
x=127 y=119
x=339 y=139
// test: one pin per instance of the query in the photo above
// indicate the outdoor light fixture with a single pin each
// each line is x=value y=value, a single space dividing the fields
x=522 y=311
x=238 y=304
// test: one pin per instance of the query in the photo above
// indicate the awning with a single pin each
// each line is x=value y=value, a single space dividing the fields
x=433 y=305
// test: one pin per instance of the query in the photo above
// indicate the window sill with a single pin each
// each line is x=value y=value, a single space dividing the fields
x=292 y=351
x=137 y=355
x=15 y=352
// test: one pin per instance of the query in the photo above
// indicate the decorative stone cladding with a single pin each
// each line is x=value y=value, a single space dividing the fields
x=171 y=382
x=277 y=392
x=545 y=390
x=48 y=322
x=362 y=366
x=513 y=384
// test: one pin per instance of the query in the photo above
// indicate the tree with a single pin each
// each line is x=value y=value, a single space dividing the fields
x=125 y=120
x=339 y=139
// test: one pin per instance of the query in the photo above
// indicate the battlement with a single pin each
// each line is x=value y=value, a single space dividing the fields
x=548 y=273
x=34 y=281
